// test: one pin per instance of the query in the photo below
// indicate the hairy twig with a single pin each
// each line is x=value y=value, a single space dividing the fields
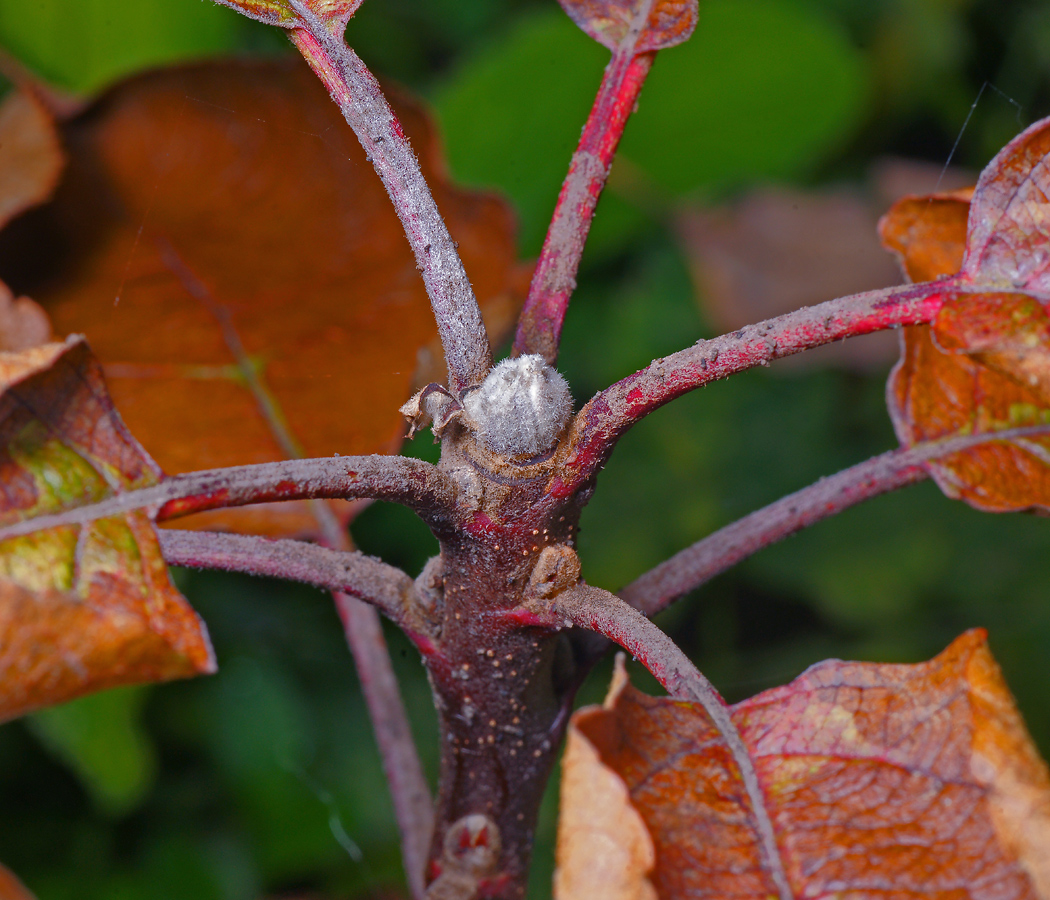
x=411 y=482
x=692 y=567
x=387 y=588
x=357 y=93
x=539 y=327
x=599 y=611
x=610 y=413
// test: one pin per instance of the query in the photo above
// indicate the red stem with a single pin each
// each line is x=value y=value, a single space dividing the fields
x=539 y=327
x=606 y=614
x=411 y=482
x=359 y=97
x=610 y=413
x=698 y=564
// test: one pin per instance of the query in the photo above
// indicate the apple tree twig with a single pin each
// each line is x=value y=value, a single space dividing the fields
x=360 y=98
x=612 y=412
x=694 y=566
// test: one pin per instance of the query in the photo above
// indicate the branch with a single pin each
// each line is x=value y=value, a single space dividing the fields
x=383 y=586
x=358 y=95
x=689 y=569
x=413 y=805
x=352 y=577
x=610 y=413
x=599 y=611
x=539 y=327
x=411 y=482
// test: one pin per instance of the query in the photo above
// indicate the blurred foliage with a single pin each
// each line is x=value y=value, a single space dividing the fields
x=266 y=780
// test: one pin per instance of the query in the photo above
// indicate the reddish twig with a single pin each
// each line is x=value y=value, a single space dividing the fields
x=357 y=93
x=539 y=327
x=610 y=413
x=411 y=482
x=387 y=588
x=694 y=566
x=599 y=611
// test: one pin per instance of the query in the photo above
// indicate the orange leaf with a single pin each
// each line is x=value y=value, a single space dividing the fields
x=983 y=367
x=927 y=234
x=81 y=607
x=888 y=780
x=635 y=25
x=238 y=268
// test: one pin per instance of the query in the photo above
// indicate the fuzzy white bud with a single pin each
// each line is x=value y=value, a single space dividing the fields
x=521 y=407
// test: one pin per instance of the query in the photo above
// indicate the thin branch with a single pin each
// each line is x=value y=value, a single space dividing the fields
x=413 y=805
x=411 y=482
x=610 y=413
x=599 y=611
x=694 y=566
x=539 y=327
x=357 y=93
x=371 y=580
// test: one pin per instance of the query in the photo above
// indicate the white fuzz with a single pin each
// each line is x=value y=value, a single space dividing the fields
x=521 y=407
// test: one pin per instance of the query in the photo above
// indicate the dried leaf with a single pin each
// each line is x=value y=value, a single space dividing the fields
x=927 y=234
x=237 y=266
x=604 y=848
x=334 y=13
x=1008 y=244
x=635 y=25
x=888 y=780
x=81 y=607
x=11 y=888
x=31 y=157
x=981 y=367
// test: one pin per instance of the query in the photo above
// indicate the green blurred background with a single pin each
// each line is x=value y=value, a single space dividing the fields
x=263 y=780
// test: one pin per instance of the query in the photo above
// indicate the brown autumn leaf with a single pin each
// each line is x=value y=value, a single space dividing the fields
x=82 y=607
x=604 y=847
x=237 y=266
x=973 y=369
x=11 y=888
x=880 y=780
x=636 y=25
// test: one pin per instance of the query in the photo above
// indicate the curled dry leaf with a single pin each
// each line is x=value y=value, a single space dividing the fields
x=604 y=847
x=635 y=26
x=238 y=268
x=981 y=366
x=334 y=13
x=895 y=780
x=82 y=607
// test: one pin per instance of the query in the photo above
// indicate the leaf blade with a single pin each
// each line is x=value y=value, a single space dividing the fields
x=634 y=26
x=878 y=777
x=81 y=608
